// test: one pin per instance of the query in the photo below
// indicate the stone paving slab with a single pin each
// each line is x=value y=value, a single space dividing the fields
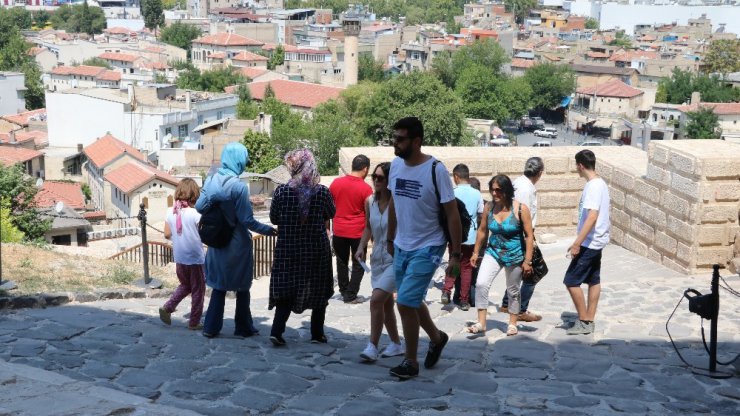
x=116 y=357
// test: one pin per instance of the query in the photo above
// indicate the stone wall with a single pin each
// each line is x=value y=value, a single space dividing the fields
x=676 y=205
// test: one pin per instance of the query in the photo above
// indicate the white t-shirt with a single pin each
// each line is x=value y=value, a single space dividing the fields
x=595 y=196
x=416 y=204
x=187 y=246
x=526 y=193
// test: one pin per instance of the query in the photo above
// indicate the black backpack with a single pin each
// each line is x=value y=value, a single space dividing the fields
x=465 y=220
x=214 y=228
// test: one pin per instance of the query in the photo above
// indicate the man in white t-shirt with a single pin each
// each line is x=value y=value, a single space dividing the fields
x=416 y=240
x=593 y=236
x=526 y=193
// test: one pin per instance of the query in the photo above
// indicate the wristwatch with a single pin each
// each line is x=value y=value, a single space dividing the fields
x=456 y=255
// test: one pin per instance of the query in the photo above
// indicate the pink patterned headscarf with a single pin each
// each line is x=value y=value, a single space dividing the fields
x=304 y=177
x=179 y=206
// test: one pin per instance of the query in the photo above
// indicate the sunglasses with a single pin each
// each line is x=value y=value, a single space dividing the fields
x=377 y=177
x=497 y=191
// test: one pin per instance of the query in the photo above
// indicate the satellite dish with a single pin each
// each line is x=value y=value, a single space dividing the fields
x=59 y=207
x=39 y=182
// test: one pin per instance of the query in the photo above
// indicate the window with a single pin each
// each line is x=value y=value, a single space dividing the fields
x=182 y=131
x=167 y=130
x=219 y=115
x=145 y=201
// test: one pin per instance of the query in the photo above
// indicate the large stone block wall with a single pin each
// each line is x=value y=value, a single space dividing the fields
x=677 y=204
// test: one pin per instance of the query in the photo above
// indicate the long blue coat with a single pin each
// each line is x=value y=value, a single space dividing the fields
x=230 y=268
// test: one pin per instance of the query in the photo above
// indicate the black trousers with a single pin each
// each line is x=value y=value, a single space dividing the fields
x=282 y=313
x=344 y=249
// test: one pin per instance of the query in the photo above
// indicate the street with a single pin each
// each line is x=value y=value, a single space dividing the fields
x=570 y=138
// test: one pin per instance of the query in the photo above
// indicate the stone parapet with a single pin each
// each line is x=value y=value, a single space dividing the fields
x=676 y=204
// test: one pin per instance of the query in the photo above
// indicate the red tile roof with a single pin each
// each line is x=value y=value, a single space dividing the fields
x=613 y=88
x=52 y=192
x=227 y=39
x=108 y=148
x=272 y=47
x=155 y=65
x=11 y=155
x=94 y=215
x=38 y=137
x=628 y=56
x=82 y=70
x=133 y=175
x=522 y=63
x=248 y=56
x=217 y=55
x=252 y=72
x=35 y=50
x=296 y=93
x=118 y=30
x=109 y=75
x=22 y=119
x=597 y=55
x=721 y=109
x=123 y=57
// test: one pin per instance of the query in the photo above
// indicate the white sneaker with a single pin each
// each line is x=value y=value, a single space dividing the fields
x=370 y=354
x=393 y=350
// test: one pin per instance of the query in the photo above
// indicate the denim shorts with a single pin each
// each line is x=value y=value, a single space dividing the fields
x=414 y=270
x=584 y=268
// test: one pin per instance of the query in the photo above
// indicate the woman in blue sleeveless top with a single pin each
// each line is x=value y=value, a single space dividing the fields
x=504 y=220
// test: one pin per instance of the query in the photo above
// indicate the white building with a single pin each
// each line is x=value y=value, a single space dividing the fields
x=65 y=77
x=147 y=117
x=12 y=93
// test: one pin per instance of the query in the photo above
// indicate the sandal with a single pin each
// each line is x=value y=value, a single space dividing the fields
x=476 y=328
x=511 y=330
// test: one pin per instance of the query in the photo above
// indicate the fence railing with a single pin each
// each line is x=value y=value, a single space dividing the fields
x=159 y=254
x=264 y=253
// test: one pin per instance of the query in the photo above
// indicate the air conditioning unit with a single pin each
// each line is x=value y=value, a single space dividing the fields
x=109 y=234
x=90 y=236
x=132 y=231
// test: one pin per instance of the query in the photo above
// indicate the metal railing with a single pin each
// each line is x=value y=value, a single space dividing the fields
x=263 y=251
x=159 y=254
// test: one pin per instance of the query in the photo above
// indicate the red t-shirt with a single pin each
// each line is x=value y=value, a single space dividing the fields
x=350 y=193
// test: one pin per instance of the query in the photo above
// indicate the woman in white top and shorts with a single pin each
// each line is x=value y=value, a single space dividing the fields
x=382 y=310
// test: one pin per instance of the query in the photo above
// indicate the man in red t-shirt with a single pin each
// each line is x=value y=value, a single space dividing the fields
x=350 y=192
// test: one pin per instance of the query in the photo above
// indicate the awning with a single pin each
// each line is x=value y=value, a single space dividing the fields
x=208 y=124
x=565 y=102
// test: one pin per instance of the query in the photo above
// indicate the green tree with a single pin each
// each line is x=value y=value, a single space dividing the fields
x=95 y=61
x=520 y=8
x=246 y=109
x=277 y=58
x=592 y=23
x=269 y=92
x=10 y=233
x=369 y=69
x=419 y=94
x=621 y=40
x=180 y=34
x=678 y=88
x=488 y=96
x=486 y=52
x=702 y=124
x=263 y=157
x=17 y=191
x=723 y=56
x=174 y=4
x=288 y=127
x=151 y=11
x=86 y=19
x=41 y=18
x=329 y=129
x=79 y=18
x=550 y=83
x=215 y=80
x=14 y=57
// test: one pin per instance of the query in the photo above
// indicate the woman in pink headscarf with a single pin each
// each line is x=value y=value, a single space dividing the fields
x=301 y=271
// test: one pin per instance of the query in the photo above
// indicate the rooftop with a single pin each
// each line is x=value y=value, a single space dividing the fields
x=227 y=39
x=601 y=69
x=721 y=109
x=249 y=56
x=40 y=138
x=24 y=118
x=11 y=155
x=51 y=192
x=134 y=175
x=296 y=93
x=123 y=57
x=108 y=148
x=613 y=88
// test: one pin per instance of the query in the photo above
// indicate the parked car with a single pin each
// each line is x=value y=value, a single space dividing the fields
x=538 y=121
x=590 y=143
x=500 y=143
x=543 y=143
x=548 y=132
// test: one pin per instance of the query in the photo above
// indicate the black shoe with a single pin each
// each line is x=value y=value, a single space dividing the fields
x=277 y=340
x=245 y=334
x=435 y=351
x=209 y=335
x=445 y=298
x=319 y=340
x=405 y=371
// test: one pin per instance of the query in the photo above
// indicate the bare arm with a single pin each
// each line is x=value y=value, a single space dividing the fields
x=453 y=225
x=391 y=233
x=526 y=219
x=588 y=225
x=366 y=234
x=167 y=231
x=480 y=236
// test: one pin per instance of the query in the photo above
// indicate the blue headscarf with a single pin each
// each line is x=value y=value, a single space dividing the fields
x=234 y=159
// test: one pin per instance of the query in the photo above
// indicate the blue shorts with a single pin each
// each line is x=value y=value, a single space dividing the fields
x=584 y=268
x=414 y=270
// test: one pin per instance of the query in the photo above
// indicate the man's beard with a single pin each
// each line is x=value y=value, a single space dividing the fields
x=403 y=154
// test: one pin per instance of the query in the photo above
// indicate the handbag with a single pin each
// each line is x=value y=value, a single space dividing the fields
x=539 y=267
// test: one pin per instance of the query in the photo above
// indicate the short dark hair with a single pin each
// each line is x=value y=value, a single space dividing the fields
x=474 y=182
x=533 y=167
x=360 y=162
x=461 y=171
x=413 y=127
x=503 y=182
x=586 y=158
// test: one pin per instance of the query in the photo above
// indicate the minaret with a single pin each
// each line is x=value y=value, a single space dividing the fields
x=351 y=26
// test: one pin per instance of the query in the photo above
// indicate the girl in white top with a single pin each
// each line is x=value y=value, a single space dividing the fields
x=383 y=279
x=181 y=226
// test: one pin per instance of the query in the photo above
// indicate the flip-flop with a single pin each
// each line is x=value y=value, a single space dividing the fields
x=511 y=330
x=476 y=328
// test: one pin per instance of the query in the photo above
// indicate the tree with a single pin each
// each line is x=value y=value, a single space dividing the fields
x=269 y=92
x=215 y=80
x=174 y=4
x=678 y=88
x=17 y=191
x=621 y=40
x=263 y=157
x=488 y=96
x=180 y=34
x=246 y=109
x=592 y=23
x=369 y=69
x=288 y=127
x=10 y=233
x=329 y=129
x=96 y=61
x=520 y=8
x=550 y=83
x=723 y=56
x=486 y=52
x=14 y=57
x=277 y=58
x=419 y=94
x=153 y=14
x=79 y=18
x=702 y=124
x=41 y=19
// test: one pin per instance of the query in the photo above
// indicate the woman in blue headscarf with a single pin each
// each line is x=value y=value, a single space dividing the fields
x=230 y=268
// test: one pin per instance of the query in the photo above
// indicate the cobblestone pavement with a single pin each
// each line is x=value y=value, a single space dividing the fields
x=116 y=357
